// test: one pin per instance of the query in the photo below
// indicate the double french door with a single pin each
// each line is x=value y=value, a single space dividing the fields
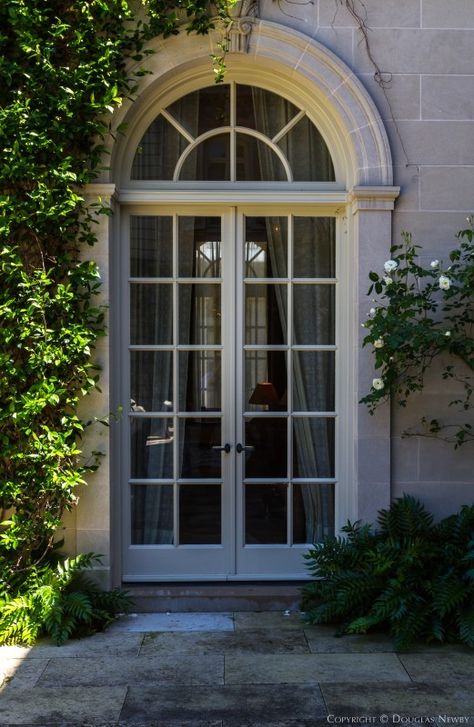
x=229 y=443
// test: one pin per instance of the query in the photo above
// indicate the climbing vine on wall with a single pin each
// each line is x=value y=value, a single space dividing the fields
x=425 y=315
x=63 y=65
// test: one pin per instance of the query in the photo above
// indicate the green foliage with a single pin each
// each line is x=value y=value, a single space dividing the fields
x=58 y=601
x=63 y=66
x=411 y=576
x=425 y=314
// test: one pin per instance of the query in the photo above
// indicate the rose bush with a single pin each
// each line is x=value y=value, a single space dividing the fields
x=420 y=314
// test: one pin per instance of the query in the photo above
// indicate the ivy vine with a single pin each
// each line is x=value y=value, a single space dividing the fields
x=63 y=65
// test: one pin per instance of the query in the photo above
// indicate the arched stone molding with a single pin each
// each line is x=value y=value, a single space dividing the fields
x=288 y=63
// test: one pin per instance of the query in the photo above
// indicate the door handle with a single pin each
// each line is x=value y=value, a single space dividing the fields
x=225 y=448
x=241 y=448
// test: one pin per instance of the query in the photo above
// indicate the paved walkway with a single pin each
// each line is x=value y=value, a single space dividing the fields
x=233 y=670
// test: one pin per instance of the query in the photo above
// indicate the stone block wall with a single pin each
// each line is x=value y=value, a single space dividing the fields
x=425 y=49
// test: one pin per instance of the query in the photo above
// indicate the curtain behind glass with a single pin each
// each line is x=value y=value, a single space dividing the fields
x=151 y=319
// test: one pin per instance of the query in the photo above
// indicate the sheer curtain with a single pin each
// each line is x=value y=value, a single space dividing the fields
x=310 y=159
x=314 y=323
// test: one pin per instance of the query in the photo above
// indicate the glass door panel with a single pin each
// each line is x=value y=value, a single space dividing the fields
x=287 y=424
x=232 y=341
x=176 y=418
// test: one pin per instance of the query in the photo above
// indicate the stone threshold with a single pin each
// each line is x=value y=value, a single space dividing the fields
x=215 y=597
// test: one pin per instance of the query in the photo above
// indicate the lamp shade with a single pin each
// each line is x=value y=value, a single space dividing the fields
x=264 y=394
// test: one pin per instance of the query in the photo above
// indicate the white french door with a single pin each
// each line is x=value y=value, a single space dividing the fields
x=229 y=446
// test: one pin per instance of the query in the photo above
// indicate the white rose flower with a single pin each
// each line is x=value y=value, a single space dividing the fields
x=387 y=280
x=434 y=264
x=378 y=384
x=444 y=282
x=379 y=343
x=372 y=312
x=448 y=333
x=390 y=266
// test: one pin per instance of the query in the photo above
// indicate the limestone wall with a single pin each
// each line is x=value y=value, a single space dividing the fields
x=426 y=48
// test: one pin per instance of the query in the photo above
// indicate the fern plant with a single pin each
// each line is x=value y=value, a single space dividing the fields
x=411 y=576
x=59 y=601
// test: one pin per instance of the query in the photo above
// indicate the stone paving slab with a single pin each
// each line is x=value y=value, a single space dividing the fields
x=414 y=700
x=117 y=671
x=149 y=622
x=447 y=668
x=18 y=673
x=321 y=640
x=66 y=705
x=268 y=620
x=168 y=723
x=313 y=668
x=264 y=641
x=235 y=705
x=125 y=644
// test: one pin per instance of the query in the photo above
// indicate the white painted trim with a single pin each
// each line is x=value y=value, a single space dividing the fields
x=324 y=200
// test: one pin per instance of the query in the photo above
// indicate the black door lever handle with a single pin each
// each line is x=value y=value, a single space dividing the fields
x=225 y=448
x=241 y=448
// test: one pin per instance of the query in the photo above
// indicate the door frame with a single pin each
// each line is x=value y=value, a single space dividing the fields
x=344 y=432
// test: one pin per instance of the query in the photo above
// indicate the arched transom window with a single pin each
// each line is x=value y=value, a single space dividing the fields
x=232 y=133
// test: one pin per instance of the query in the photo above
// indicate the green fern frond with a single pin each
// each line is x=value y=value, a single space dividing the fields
x=466 y=627
x=406 y=517
x=412 y=575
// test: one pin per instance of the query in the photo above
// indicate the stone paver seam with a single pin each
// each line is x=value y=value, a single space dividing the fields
x=41 y=673
x=142 y=641
x=307 y=642
x=323 y=698
x=404 y=668
x=123 y=705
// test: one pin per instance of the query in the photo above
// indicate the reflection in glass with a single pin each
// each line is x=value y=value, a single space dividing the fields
x=268 y=458
x=307 y=152
x=203 y=110
x=199 y=380
x=209 y=161
x=152 y=514
x=197 y=458
x=314 y=247
x=265 y=314
x=152 y=443
x=151 y=314
x=314 y=314
x=266 y=247
x=199 y=314
x=313 y=512
x=199 y=247
x=200 y=514
x=313 y=380
x=151 y=380
x=265 y=381
x=257 y=162
x=151 y=247
x=263 y=110
x=158 y=151
x=265 y=514
x=313 y=447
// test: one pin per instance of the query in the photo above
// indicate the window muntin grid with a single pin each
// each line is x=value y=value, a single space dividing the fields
x=294 y=410
x=232 y=132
